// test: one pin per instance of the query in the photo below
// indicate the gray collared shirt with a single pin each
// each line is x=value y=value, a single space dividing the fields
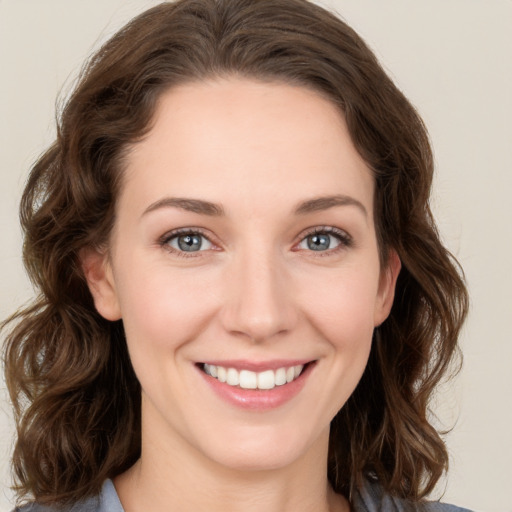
x=370 y=498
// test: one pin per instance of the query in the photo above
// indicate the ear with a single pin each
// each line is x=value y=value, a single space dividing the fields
x=387 y=285
x=98 y=274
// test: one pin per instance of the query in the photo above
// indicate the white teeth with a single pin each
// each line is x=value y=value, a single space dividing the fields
x=233 y=378
x=280 y=377
x=247 y=379
x=266 y=380
x=222 y=374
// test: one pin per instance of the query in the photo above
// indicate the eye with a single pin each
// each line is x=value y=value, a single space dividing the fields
x=190 y=241
x=325 y=239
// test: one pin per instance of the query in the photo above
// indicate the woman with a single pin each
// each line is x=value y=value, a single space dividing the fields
x=244 y=299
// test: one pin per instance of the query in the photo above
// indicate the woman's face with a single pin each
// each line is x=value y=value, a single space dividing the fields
x=244 y=249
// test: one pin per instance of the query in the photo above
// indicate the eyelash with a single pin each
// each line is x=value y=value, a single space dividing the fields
x=344 y=239
x=165 y=239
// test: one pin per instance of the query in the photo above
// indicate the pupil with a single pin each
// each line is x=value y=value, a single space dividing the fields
x=318 y=242
x=189 y=242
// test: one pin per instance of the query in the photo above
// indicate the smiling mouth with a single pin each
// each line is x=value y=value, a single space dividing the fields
x=246 y=379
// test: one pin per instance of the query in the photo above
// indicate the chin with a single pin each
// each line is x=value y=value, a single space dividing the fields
x=264 y=449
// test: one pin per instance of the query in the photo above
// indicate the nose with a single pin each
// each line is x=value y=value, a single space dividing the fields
x=258 y=302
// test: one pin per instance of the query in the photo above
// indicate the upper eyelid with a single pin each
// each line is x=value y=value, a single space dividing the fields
x=326 y=229
x=164 y=242
x=185 y=231
x=331 y=230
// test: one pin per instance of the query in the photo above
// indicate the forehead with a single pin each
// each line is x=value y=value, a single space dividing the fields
x=239 y=138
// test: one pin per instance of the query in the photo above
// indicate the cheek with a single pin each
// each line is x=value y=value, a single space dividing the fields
x=163 y=309
x=341 y=312
x=343 y=307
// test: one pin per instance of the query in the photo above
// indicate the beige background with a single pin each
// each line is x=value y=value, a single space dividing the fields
x=453 y=59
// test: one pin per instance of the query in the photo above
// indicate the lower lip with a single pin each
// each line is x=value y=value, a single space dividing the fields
x=258 y=399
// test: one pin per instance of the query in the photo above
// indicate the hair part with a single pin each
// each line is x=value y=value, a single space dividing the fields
x=76 y=397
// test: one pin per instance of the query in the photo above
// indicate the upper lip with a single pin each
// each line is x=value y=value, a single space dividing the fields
x=257 y=366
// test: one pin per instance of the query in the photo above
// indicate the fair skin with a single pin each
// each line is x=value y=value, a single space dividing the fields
x=276 y=265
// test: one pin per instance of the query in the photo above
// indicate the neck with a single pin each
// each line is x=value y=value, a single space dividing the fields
x=175 y=476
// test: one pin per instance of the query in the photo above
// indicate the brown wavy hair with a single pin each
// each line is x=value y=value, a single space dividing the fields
x=76 y=397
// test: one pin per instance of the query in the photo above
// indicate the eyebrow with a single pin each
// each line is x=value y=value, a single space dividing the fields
x=190 y=205
x=215 y=210
x=325 y=202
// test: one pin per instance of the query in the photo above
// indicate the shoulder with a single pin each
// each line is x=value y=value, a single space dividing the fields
x=89 y=505
x=372 y=498
x=106 y=501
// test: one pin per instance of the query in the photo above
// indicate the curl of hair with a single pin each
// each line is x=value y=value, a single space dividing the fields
x=76 y=397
